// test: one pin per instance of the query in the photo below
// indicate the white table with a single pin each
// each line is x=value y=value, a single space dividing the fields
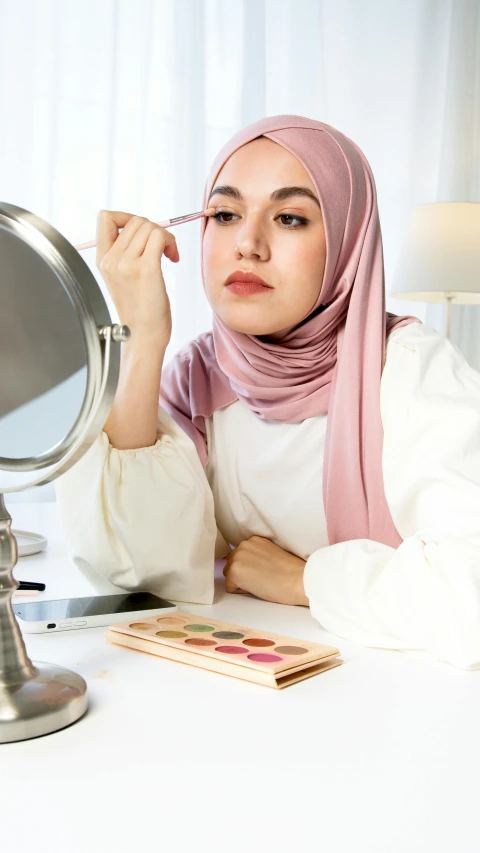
x=377 y=755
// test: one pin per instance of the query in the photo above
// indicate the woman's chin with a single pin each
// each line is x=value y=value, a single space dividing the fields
x=248 y=326
x=263 y=331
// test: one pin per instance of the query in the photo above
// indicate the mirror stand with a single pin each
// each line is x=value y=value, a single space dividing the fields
x=59 y=369
x=35 y=698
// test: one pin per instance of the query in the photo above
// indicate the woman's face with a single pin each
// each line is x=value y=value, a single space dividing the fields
x=280 y=240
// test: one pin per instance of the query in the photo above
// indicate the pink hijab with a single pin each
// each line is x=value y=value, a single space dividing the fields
x=331 y=361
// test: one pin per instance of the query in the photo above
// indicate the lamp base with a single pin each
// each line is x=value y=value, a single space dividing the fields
x=52 y=699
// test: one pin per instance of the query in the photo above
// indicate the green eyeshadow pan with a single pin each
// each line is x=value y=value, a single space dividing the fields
x=173 y=635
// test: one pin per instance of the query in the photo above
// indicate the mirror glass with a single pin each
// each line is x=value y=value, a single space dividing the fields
x=43 y=356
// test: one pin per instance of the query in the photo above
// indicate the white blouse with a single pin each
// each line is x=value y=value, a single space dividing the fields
x=155 y=519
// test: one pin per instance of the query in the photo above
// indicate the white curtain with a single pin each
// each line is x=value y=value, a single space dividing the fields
x=121 y=105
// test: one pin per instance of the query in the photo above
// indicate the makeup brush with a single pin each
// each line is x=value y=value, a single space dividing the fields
x=166 y=224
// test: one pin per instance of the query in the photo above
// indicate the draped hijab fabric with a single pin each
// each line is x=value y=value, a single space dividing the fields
x=332 y=361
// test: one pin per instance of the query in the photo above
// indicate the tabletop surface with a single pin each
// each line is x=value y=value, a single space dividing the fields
x=378 y=754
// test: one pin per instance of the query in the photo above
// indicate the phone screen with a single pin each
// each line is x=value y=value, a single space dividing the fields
x=39 y=611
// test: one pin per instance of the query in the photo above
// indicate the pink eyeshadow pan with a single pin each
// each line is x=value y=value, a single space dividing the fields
x=233 y=650
x=264 y=658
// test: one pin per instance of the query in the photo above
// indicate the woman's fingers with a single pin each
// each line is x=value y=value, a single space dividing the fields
x=230 y=585
x=130 y=263
x=141 y=237
x=108 y=224
x=154 y=247
x=132 y=240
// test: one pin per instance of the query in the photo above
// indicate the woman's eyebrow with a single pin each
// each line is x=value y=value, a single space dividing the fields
x=277 y=195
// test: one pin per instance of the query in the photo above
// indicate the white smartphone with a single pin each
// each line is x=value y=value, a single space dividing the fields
x=69 y=614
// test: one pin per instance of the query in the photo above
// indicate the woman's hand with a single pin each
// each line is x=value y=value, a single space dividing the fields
x=259 y=567
x=129 y=262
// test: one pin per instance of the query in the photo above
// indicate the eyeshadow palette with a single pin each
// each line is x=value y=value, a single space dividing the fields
x=265 y=658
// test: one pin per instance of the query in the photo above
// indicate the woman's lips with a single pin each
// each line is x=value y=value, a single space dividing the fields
x=246 y=288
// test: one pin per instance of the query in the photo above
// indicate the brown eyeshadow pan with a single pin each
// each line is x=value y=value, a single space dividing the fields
x=199 y=641
x=290 y=650
x=167 y=620
x=256 y=642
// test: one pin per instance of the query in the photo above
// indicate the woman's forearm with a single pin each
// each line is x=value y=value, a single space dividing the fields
x=129 y=253
x=132 y=422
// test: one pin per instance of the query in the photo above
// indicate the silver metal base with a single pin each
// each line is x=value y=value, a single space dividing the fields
x=35 y=698
x=51 y=700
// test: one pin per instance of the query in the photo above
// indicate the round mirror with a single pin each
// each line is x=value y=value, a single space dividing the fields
x=42 y=395
x=59 y=366
x=56 y=387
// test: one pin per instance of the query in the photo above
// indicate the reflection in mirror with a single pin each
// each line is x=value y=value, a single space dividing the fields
x=37 y=426
x=42 y=353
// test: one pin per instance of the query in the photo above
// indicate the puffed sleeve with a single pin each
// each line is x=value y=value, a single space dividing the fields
x=142 y=519
x=425 y=594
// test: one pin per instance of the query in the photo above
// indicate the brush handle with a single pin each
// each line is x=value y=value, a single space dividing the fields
x=166 y=224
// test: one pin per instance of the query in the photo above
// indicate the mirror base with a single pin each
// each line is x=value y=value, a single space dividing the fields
x=54 y=698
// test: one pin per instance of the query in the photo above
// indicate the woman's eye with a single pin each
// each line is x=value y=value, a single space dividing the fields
x=222 y=213
x=300 y=219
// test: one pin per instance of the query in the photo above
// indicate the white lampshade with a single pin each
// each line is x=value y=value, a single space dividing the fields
x=440 y=255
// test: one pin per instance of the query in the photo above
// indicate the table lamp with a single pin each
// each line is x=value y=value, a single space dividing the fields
x=440 y=257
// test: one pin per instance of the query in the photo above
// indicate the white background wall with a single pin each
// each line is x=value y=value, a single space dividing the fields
x=124 y=105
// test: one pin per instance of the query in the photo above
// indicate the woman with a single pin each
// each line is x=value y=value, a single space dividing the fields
x=335 y=446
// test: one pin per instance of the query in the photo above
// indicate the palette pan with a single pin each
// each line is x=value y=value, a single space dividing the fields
x=265 y=658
